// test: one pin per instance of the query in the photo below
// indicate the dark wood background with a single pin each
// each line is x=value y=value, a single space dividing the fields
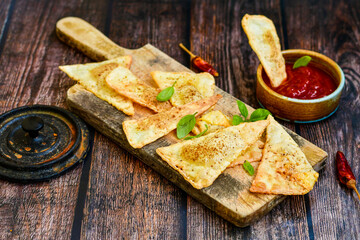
x=125 y=198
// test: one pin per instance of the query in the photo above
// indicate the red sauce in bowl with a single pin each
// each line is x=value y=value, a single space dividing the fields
x=304 y=83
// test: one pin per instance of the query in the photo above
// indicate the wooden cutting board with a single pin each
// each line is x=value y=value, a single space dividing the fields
x=229 y=195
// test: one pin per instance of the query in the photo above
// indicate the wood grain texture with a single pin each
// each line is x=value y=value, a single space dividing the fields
x=29 y=60
x=148 y=206
x=6 y=10
x=332 y=28
x=126 y=198
x=217 y=35
x=229 y=195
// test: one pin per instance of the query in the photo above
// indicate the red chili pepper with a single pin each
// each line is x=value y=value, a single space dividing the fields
x=344 y=172
x=199 y=63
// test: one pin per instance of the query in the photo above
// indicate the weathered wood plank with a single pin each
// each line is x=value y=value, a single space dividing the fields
x=6 y=10
x=217 y=35
x=29 y=75
x=332 y=28
x=45 y=210
x=126 y=198
x=228 y=196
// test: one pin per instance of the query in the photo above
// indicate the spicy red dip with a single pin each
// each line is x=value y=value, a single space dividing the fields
x=304 y=83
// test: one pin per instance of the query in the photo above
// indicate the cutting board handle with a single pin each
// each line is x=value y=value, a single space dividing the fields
x=81 y=35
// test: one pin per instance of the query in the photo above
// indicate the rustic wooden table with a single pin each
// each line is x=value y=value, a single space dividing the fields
x=114 y=195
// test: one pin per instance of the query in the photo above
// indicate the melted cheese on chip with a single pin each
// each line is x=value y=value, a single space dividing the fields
x=215 y=120
x=124 y=82
x=92 y=77
x=252 y=154
x=265 y=42
x=201 y=160
x=189 y=87
x=284 y=168
x=146 y=130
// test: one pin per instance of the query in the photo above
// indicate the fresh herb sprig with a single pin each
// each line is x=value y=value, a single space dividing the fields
x=249 y=168
x=166 y=94
x=258 y=114
x=302 y=62
x=199 y=135
x=185 y=125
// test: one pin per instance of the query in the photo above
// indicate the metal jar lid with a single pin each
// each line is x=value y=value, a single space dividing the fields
x=39 y=142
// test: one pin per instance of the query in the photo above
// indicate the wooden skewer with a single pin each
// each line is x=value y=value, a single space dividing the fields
x=200 y=63
x=187 y=50
x=352 y=184
x=357 y=192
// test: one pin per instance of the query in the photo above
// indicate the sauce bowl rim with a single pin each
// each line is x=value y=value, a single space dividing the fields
x=311 y=53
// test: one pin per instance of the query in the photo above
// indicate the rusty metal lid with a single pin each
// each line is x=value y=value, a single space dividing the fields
x=39 y=142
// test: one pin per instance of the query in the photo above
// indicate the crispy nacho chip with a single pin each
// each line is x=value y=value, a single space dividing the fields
x=124 y=82
x=146 y=130
x=92 y=77
x=201 y=160
x=284 y=168
x=189 y=87
x=265 y=42
x=215 y=120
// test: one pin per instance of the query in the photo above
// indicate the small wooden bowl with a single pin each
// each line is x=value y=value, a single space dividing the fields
x=300 y=110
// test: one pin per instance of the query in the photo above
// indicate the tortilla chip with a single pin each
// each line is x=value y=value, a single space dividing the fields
x=215 y=120
x=201 y=160
x=124 y=82
x=284 y=168
x=146 y=130
x=92 y=77
x=265 y=42
x=251 y=154
x=189 y=87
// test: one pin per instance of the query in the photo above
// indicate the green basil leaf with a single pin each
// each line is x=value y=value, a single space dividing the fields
x=236 y=120
x=249 y=168
x=302 y=62
x=165 y=94
x=242 y=108
x=185 y=125
x=199 y=135
x=259 y=114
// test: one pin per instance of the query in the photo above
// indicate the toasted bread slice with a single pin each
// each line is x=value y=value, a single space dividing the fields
x=146 y=130
x=92 y=77
x=201 y=160
x=124 y=82
x=265 y=42
x=189 y=87
x=284 y=168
